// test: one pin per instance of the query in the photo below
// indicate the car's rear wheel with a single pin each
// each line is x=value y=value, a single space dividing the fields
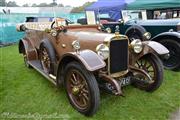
x=26 y=58
x=82 y=89
x=47 y=57
x=152 y=65
x=173 y=46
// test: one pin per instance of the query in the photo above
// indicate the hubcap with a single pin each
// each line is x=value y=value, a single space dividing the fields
x=75 y=90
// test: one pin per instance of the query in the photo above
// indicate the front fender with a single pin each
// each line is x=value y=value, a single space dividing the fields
x=88 y=58
x=167 y=35
x=149 y=47
x=157 y=47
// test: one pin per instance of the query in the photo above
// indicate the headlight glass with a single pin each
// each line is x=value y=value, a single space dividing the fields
x=137 y=45
x=103 y=51
x=147 y=35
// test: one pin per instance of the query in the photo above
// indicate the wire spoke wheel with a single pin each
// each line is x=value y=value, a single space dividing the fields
x=45 y=59
x=78 y=89
x=148 y=67
x=152 y=65
x=81 y=88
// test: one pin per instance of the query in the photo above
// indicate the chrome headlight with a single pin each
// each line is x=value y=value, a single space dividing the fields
x=103 y=51
x=108 y=30
x=137 y=45
x=147 y=35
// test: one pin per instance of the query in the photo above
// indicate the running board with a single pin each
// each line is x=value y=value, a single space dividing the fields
x=36 y=64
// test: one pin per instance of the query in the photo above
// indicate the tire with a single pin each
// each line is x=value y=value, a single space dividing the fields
x=89 y=85
x=47 y=51
x=26 y=59
x=173 y=63
x=153 y=66
x=135 y=32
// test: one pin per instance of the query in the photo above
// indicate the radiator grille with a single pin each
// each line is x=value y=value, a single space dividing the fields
x=118 y=56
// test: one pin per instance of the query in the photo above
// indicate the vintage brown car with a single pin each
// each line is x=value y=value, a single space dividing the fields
x=84 y=60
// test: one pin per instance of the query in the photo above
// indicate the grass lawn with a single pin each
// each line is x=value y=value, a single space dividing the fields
x=25 y=92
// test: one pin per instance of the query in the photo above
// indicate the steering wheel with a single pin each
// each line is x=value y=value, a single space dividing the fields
x=67 y=22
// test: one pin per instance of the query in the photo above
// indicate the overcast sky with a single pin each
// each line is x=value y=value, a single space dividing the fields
x=64 y=2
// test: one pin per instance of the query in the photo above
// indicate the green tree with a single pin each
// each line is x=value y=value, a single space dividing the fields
x=25 y=5
x=2 y=3
x=43 y=5
x=81 y=8
x=52 y=4
x=34 y=5
x=60 y=5
x=12 y=4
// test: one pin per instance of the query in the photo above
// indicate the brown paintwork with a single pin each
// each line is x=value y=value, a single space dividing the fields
x=88 y=40
x=28 y=49
x=93 y=66
x=89 y=37
x=87 y=57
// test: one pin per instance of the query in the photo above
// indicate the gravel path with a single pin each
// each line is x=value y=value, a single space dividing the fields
x=175 y=115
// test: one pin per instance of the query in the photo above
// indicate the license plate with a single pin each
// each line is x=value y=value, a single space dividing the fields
x=125 y=81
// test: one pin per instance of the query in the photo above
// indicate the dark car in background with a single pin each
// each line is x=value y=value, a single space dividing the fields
x=135 y=24
x=165 y=31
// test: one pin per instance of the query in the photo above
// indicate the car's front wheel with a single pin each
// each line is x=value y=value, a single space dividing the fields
x=152 y=65
x=173 y=46
x=82 y=89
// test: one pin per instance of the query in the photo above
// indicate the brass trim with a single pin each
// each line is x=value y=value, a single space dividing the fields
x=114 y=37
x=119 y=74
x=64 y=45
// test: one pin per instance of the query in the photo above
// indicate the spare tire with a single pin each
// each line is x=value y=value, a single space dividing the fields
x=136 y=32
